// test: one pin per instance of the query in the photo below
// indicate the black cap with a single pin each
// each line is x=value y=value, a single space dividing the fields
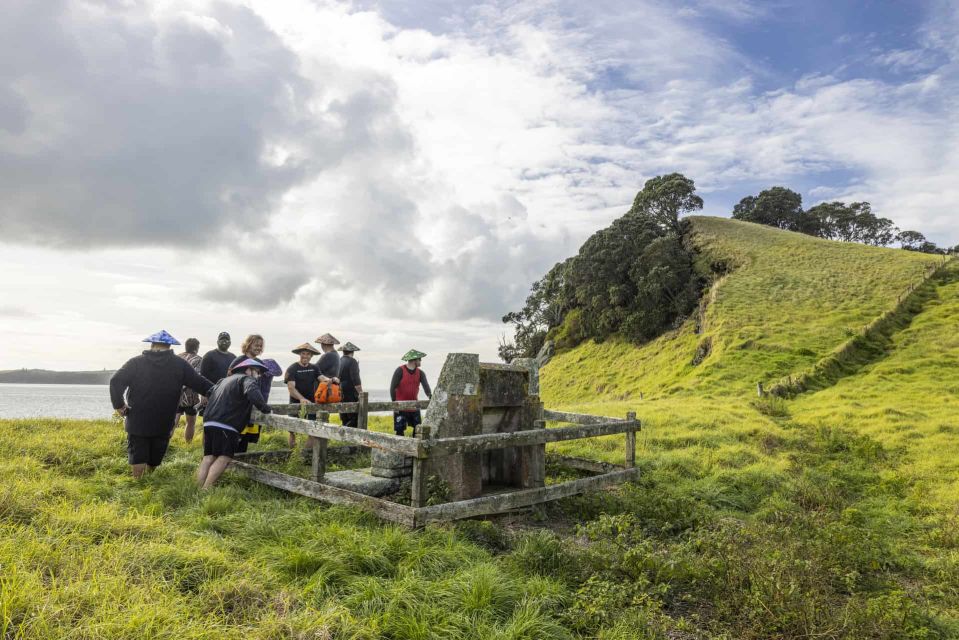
x=223 y=334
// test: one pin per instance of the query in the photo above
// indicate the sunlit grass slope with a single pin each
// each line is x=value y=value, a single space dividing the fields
x=788 y=300
x=908 y=400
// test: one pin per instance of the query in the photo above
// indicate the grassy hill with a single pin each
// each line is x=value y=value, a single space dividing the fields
x=830 y=515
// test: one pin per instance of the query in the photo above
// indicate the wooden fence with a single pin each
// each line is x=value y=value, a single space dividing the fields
x=423 y=447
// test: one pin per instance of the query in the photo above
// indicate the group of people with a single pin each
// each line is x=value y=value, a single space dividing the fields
x=151 y=391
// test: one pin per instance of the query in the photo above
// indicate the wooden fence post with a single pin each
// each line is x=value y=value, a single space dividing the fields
x=631 y=443
x=419 y=492
x=363 y=411
x=759 y=389
x=318 y=468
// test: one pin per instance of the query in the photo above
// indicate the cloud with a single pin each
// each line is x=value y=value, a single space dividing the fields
x=128 y=126
x=10 y=311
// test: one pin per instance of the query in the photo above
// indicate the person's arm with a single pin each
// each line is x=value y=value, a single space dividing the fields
x=118 y=385
x=294 y=393
x=425 y=384
x=356 y=377
x=206 y=368
x=252 y=392
x=395 y=382
x=195 y=381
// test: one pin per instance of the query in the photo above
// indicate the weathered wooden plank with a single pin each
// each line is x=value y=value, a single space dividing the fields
x=349 y=407
x=508 y=501
x=583 y=464
x=373 y=439
x=363 y=411
x=264 y=456
x=489 y=441
x=576 y=418
x=385 y=509
x=419 y=491
x=318 y=468
x=630 y=443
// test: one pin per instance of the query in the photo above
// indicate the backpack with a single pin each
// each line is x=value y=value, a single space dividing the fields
x=328 y=392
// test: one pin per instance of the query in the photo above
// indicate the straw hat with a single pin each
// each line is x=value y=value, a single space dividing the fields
x=306 y=346
x=326 y=339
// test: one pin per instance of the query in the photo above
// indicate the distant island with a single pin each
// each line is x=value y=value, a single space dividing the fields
x=45 y=376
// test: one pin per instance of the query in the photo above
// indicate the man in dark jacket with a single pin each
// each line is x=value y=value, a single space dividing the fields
x=350 y=382
x=228 y=411
x=146 y=392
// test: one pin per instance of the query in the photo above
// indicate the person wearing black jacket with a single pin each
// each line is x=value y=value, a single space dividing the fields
x=217 y=361
x=227 y=413
x=146 y=392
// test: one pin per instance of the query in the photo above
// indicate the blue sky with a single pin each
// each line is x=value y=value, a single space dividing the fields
x=398 y=173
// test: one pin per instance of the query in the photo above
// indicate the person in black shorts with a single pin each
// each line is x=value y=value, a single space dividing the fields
x=228 y=410
x=146 y=392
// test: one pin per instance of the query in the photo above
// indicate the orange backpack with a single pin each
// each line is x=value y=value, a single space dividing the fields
x=327 y=393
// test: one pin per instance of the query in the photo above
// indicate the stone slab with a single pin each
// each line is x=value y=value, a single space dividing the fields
x=402 y=472
x=361 y=482
x=388 y=460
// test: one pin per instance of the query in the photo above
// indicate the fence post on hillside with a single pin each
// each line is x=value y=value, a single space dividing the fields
x=419 y=492
x=318 y=467
x=631 y=442
x=363 y=411
x=759 y=389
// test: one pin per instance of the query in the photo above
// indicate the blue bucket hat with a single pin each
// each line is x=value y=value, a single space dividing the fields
x=272 y=367
x=161 y=337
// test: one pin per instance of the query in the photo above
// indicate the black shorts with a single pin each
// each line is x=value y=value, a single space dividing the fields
x=403 y=419
x=220 y=442
x=146 y=449
x=187 y=411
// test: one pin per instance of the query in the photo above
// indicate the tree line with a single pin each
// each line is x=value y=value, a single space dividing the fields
x=855 y=222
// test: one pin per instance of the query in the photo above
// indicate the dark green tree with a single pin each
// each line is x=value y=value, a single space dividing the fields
x=910 y=240
x=665 y=198
x=776 y=207
x=634 y=278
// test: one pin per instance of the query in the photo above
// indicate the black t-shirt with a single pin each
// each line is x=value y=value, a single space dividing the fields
x=329 y=364
x=214 y=364
x=304 y=378
x=349 y=376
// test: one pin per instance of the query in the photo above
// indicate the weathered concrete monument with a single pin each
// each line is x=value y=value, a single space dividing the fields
x=483 y=435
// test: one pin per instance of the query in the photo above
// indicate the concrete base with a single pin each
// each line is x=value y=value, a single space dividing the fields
x=402 y=472
x=361 y=482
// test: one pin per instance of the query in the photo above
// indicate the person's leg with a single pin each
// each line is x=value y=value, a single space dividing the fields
x=399 y=424
x=158 y=447
x=190 y=428
x=176 y=423
x=204 y=470
x=138 y=453
x=216 y=470
x=209 y=445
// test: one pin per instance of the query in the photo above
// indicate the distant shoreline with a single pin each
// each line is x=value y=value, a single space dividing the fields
x=45 y=376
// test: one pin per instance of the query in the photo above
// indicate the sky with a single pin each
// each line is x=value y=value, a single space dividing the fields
x=398 y=173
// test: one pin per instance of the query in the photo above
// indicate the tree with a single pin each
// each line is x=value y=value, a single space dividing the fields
x=665 y=198
x=776 y=207
x=854 y=222
x=910 y=240
x=634 y=277
x=928 y=247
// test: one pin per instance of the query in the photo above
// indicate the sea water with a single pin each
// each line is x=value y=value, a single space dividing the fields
x=84 y=401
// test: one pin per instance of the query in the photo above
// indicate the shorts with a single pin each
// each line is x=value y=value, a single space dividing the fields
x=147 y=449
x=220 y=442
x=403 y=419
x=349 y=419
x=187 y=411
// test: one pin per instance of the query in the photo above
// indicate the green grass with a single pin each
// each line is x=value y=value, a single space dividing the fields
x=830 y=515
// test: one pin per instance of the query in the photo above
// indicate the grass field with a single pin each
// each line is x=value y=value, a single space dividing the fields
x=831 y=515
